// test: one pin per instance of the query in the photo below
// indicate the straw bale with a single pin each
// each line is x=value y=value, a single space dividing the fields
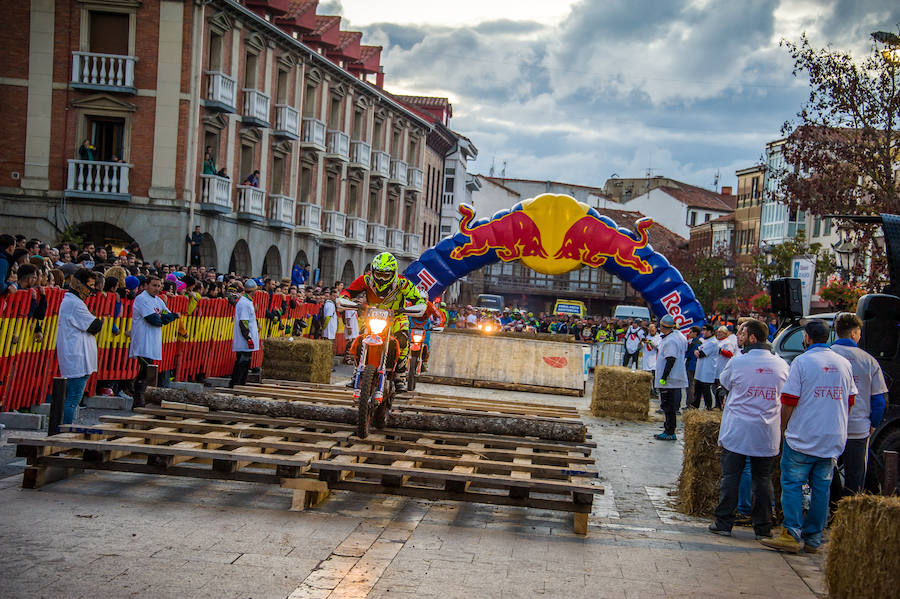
x=701 y=471
x=863 y=549
x=298 y=359
x=621 y=393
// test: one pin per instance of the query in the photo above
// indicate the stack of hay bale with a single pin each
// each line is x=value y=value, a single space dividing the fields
x=621 y=393
x=862 y=552
x=298 y=359
x=701 y=471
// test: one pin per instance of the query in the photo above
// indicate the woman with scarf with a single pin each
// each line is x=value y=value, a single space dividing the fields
x=76 y=345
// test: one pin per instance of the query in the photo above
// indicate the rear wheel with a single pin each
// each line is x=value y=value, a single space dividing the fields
x=413 y=371
x=366 y=390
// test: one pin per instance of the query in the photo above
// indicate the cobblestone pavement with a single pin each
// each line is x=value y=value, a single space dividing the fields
x=121 y=535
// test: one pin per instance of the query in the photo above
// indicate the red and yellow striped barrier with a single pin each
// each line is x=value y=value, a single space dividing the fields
x=195 y=346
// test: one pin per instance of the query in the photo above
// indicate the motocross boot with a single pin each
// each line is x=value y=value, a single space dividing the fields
x=400 y=376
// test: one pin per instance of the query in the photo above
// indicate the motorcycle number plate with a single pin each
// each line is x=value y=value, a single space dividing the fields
x=379 y=313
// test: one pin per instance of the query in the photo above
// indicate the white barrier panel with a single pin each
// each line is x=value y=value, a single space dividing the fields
x=509 y=360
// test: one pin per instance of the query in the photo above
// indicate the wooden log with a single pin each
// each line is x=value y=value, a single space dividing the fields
x=459 y=423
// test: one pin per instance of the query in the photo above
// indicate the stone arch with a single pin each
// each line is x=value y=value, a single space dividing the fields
x=208 y=253
x=272 y=264
x=241 y=262
x=349 y=273
x=301 y=259
x=103 y=234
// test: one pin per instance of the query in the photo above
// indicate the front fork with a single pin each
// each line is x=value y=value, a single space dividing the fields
x=378 y=396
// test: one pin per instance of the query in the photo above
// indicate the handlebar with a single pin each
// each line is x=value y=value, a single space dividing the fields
x=418 y=310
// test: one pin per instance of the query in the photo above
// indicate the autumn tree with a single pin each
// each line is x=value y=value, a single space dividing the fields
x=843 y=145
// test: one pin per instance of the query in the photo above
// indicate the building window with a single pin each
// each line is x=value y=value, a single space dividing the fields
x=334 y=114
x=373 y=207
x=359 y=122
x=107 y=135
x=277 y=186
x=827 y=226
x=330 y=193
x=706 y=217
x=108 y=33
x=377 y=135
x=306 y=185
x=250 y=63
x=817 y=227
x=309 y=101
x=353 y=200
x=214 y=60
x=248 y=161
x=281 y=87
x=692 y=218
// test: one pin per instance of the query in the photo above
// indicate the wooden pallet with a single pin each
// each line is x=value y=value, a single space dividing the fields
x=313 y=457
x=419 y=401
x=467 y=468
x=183 y=443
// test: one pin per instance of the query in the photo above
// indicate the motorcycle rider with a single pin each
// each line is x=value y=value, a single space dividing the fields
x=386 y=289
x=433 y=317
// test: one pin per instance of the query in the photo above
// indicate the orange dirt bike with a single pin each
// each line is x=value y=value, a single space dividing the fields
x=373 y=381
x=417 y=349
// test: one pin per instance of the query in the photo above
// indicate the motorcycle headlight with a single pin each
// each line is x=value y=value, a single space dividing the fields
x=377 y=325
x=417 y=336
x=481 y=326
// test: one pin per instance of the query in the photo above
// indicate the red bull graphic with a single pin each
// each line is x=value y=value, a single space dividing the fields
x=513 y=235
x=554 y=234
x=591 y=241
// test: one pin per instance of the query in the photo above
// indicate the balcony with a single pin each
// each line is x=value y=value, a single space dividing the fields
x=308 y=218
x=360 y=154
x=338 y=145
x=287 y=122
x=281 y=211
x=411 y=244
x=333 y=224
x=381 y=164
x=251 y=203
x=103 y=72
x=395 y=240
x=376 y=235
x=399 y=172
x=215 y=194
x=313 y=134
x=416 y=176
x=355 y=231
x=100 y=180
x=256 y=108
x=221 y=92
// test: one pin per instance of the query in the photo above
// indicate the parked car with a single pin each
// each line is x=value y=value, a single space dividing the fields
x=623 y=312
x=788 y=341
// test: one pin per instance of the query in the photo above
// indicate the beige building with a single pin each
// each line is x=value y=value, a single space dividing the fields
x=747 y=211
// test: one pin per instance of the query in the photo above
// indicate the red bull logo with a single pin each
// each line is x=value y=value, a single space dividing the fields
x=514 y=235
x=672 y=304
x=592 y=241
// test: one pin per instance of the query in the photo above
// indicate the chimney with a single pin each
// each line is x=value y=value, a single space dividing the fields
x=379 y=78
x=726 y=190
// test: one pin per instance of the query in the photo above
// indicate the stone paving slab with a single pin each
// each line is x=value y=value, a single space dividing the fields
x=124 y=535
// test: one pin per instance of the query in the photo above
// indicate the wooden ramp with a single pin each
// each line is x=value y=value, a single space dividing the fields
x=313 y=457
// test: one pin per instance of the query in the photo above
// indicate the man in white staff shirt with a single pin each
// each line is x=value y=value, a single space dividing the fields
x=671 y=374
x=149 y=315
x=245 y=335
x=815 y=405
x=76 y=346
x=633 y=337
x=751 y=427
x=868 y=409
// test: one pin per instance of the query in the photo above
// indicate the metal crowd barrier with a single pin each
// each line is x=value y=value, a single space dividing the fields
x=196 y=345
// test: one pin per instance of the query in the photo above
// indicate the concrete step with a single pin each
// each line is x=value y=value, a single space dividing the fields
x=108 y=402
x=23 y=421
x=44 y=410
x=185 y=386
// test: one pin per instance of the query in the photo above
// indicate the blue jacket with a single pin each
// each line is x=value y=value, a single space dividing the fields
x=690 y=362
x=5 y=263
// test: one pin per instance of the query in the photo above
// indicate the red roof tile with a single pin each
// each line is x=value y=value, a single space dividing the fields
x=369 y=59
x=697 y=197
x=301 y=14
x=324 y=26
x=662 y=239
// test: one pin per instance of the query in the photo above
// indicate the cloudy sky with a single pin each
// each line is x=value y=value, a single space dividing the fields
x=576 y=90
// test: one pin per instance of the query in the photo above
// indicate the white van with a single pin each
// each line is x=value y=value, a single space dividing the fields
x=624 y=312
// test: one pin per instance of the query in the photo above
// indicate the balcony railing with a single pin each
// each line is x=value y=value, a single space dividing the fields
x=251 y=202
x=313 y=132
x=215 y=192
x=281 y=210
x=355 y=230
x=221 y=90
x=309 y=216
x=395 y=240
x=333 y=223
x=287 y=121
x=92 y=178
x=411 y=243
x=447 y=197
x=399 y=172
x=381 y=164
x=110 y=71
x=360 y=154
x=416 y=176
x=339 y=144
x=256 y=107
x=376 y=235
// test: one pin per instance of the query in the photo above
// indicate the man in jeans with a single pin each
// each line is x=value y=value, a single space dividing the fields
x=815 y=405
x=750 y=428
x=868 y=409
x=76 y=346
x=148 y=316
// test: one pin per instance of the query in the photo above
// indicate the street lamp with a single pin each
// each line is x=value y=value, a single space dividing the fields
x=728 y=279
x=844 y=252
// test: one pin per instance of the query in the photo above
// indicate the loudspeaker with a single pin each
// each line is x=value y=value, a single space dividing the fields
x=787 y=297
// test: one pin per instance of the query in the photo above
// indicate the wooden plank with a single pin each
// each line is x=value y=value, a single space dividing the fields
x=456 y=486
x=175 y=405
x=242 y=429
x=522 y=472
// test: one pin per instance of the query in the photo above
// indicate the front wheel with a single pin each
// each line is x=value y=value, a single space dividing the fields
x=366 y=390
x=413 y=371
x=382 y=409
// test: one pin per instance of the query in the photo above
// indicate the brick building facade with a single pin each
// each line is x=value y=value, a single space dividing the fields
x=170 y=93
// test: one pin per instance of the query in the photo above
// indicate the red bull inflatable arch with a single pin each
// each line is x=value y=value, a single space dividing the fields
x=554 y=234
